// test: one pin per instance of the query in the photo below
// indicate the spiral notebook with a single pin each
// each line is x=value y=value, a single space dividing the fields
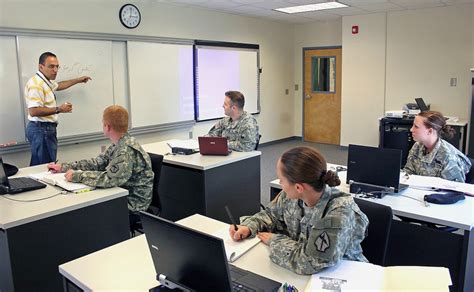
x=58 y=179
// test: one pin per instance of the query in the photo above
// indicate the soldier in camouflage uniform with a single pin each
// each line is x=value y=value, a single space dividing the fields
x=431 y=155
x=239 y=127
x=124 y=163
x=310 y=225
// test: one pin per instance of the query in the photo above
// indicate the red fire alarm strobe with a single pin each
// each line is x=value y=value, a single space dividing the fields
x=355 y=29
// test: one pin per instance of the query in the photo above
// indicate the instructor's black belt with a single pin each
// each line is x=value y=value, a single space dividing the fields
x=44 y=124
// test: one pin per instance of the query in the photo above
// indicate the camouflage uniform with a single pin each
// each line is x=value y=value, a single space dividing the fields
x=124 y=164
x=443 y=161
x=242 y=135
x=307 y=240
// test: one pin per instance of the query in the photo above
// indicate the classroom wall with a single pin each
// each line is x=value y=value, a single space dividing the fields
x=313 y=35
x=363 y=75
x=275 y=40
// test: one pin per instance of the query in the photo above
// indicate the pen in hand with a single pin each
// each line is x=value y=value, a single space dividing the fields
x=232 y=219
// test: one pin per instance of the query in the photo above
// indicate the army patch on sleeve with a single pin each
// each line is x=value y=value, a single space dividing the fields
x=114 y=169
x=322 y=243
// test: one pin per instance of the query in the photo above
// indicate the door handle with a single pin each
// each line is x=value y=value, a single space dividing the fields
x=307 y=96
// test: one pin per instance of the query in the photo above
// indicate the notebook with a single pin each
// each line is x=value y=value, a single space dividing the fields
x=58 y=179
x=194 y=260
x=375 y=170
x=235 y=249
x=213 y=146
x=18 y=184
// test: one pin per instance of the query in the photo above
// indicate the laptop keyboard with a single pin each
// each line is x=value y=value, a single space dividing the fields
x=22 y=183
x=240 y=287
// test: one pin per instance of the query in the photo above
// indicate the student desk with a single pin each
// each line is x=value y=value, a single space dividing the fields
x=129 y=266
x=412 y=244
x=35 y=237
x=201 y=184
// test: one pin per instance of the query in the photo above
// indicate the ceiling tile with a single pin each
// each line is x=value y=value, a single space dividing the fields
x=381 y=7
x=347 y=11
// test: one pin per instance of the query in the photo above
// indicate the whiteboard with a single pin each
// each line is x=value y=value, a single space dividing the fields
x=77 y=57
x=161 y=83
x=220 y=69
x=11 y=118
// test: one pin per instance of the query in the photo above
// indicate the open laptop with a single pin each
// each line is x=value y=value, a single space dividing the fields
x=18 y=184
x=374 y=170
x=421 y=104
x=213 y=146
x=194 y=260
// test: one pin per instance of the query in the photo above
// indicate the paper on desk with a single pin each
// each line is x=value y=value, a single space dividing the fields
x=58 y=179
x=437 y=182
x=235 y=249
x=187 y=144
x=359 y=276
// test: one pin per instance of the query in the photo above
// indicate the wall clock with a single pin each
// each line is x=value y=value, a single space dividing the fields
x=130 y=16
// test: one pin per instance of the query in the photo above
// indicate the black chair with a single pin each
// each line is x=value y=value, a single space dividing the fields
x=470 y=173
x=258 y=142
x=155 y=206
x=375 y=244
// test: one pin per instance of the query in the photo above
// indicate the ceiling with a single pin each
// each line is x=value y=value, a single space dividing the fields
x=263 y=8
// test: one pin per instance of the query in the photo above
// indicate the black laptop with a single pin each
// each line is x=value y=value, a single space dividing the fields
x=374 y=170
x=421 y=105
x=18 y=184
x=196 y=261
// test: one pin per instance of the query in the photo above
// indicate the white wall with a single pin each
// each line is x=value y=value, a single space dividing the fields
x=363 y=78
x=275 y=40
x=313 y=35
x=425 y=49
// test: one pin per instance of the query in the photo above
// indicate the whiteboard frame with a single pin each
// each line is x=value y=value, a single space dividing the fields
x=19 y=32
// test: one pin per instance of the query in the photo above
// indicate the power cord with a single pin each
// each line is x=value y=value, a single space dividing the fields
x=421 y=201
x=35 y=200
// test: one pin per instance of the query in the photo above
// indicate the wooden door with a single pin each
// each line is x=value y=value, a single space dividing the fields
x=322 y=95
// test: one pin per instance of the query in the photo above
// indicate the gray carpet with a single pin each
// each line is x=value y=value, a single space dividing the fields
x=271 y=153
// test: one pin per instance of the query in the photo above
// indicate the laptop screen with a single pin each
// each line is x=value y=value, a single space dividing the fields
x=191 y=258
x=3 y=175
x=372 y=165
x=421 y=104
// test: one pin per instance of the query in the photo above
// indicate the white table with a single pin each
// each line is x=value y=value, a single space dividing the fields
x=458 y=250
x=35 y=237
x=204 y=184
x=128 y=265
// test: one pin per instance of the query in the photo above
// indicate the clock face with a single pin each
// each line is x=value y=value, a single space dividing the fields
x=129 y=16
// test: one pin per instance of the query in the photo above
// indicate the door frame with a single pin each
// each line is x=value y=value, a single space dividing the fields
x=302 y=83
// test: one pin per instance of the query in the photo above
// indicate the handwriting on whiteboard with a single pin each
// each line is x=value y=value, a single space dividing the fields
x=77 y=68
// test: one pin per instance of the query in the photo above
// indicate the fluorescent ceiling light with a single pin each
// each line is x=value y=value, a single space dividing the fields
x=311 y=7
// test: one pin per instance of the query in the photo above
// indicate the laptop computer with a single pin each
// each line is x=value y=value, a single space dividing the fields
x=213 y=146
x=374 y=170
x=421 y=104
x=18 y=184
x=194 y=260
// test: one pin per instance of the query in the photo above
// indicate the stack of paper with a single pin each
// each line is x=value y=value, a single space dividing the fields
x=429 y=182
x=58 y=179
x=235 y=249
x=359 y=276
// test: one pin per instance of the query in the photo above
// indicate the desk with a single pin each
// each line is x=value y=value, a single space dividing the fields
x=411 y=244
x=35 y=237
x=195 y=183
x=128 y=265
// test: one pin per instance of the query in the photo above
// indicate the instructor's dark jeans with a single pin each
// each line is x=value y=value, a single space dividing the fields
x=43 y=140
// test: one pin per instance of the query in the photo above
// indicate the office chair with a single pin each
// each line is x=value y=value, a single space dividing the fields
x=374 y=246
x=258 y=142
x=470 y=173
x=155 y=206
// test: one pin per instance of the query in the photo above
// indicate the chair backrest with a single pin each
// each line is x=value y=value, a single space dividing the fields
x=470 y=173
x=258 y=141
x=375 y=244
x=156 y=164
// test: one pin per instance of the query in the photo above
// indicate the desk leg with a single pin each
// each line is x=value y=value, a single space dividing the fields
x=467 y=263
